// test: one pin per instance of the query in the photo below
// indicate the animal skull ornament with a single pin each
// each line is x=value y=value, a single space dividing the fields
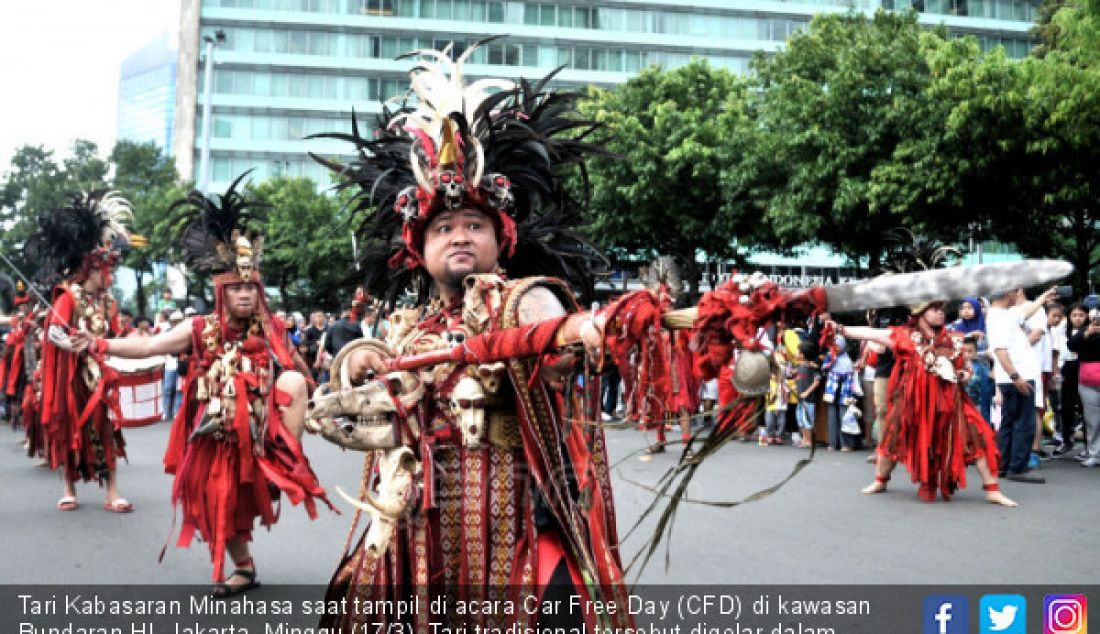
x=490 y=376
x=498 y=191
x=397 y=468
x=365 y=417
x=752 y=373
x=468 y=408
x=407 y=204
x=244 y=262
x=481 y=300
x=451 y=187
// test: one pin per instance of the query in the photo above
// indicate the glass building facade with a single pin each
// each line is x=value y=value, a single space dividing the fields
x=291 y=68
x=147 y=95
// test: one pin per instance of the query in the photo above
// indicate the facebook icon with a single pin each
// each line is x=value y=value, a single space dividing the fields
x=946 y=614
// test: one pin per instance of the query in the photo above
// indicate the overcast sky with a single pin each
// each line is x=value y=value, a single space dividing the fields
x=60 y=67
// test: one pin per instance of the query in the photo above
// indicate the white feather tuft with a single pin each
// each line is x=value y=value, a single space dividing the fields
x=115 y=212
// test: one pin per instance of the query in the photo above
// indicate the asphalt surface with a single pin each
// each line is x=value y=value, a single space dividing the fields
x=817 y=529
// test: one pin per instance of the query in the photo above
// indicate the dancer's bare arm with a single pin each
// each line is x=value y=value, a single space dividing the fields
x=174 y=341
x=880 y=336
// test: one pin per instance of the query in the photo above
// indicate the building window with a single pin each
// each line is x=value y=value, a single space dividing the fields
x=223 y=128
x=547 y=14
x=221 y=169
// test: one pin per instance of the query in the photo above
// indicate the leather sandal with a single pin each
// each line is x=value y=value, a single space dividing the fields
x=225 y=590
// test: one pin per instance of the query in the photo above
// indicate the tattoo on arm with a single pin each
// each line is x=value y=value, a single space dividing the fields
x=539 y=304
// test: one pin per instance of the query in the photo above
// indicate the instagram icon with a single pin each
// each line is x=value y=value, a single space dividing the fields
x=1065 y=614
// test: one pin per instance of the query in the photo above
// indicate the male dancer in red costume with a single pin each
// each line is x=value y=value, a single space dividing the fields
x=493 y=509
x=235 y=442
x=932 y=427
x=13 y=375
x=79 y=245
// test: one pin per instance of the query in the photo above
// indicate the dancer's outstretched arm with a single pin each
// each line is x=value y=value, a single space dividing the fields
x=174 y=341
x=866 y=333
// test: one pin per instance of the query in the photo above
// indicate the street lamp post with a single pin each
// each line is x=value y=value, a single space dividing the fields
x=208 y=86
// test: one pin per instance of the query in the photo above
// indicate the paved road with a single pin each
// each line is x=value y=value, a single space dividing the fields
x=816 y=530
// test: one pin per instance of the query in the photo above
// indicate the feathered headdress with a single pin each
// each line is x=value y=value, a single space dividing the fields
x=908 y=252
x=87 y=233
x=493 y=145
x=220 y=234
x=663 y=278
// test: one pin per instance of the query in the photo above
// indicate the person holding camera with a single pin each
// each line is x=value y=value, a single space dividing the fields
x=1086 y=344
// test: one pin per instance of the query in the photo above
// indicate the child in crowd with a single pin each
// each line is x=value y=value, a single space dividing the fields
x=979 y=374
x=779 y=397
x=808 y=385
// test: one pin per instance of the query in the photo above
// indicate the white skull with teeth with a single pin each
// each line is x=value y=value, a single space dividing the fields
x=491 y=376
x=468 y=408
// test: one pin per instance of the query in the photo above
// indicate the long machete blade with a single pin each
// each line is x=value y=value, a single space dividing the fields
x=903 y=289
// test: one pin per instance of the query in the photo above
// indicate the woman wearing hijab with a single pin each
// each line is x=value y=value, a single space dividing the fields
x=971 y=323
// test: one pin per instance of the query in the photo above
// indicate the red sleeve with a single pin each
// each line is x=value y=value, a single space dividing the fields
x=113 y=324
x=900 y=337
x=56 y=363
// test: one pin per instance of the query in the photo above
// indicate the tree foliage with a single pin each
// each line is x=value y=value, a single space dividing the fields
x=834 y=105
x=662 y=196
x=37 y=184
x=308 y=244
x=146 y=177
x=1014 y=150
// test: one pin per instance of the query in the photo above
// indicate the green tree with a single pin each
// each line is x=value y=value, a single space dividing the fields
x=1012 y=149
x=29 y=187
x=84 y=171
x=36 y=184
x=662 y=196
x=308 y=245
x=146 y=177
x=834 y=105
x=948 y=178
x=1063 y=126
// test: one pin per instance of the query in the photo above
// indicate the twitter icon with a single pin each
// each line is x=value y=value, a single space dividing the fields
x=1002 y=614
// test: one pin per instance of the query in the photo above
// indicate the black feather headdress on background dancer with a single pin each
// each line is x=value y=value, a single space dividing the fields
x=220 y=236
x=494 y=145
x=86 y=234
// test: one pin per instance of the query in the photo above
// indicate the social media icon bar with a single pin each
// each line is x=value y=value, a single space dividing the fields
x=946 y=614
x=1002 y=614
x=1065 y=614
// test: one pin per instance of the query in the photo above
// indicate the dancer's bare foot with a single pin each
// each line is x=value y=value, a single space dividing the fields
x=878 y=486
x=993 y=495
x=874 y=487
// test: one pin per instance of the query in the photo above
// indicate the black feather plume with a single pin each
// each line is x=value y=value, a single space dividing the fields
x=530 y=135
x=207 y=224
x=64 y=236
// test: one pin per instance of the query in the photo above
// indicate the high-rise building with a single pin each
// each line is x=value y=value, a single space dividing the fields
x=147 y=95
x=291 y=68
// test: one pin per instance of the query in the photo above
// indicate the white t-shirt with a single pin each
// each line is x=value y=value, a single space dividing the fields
x=1058 y=342
x=1043 y=351
x=1004 y=330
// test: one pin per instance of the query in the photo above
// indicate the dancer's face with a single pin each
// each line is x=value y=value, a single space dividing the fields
x=933 y=316
x=242 y=299
x=1078 y=317
x=458 y=243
